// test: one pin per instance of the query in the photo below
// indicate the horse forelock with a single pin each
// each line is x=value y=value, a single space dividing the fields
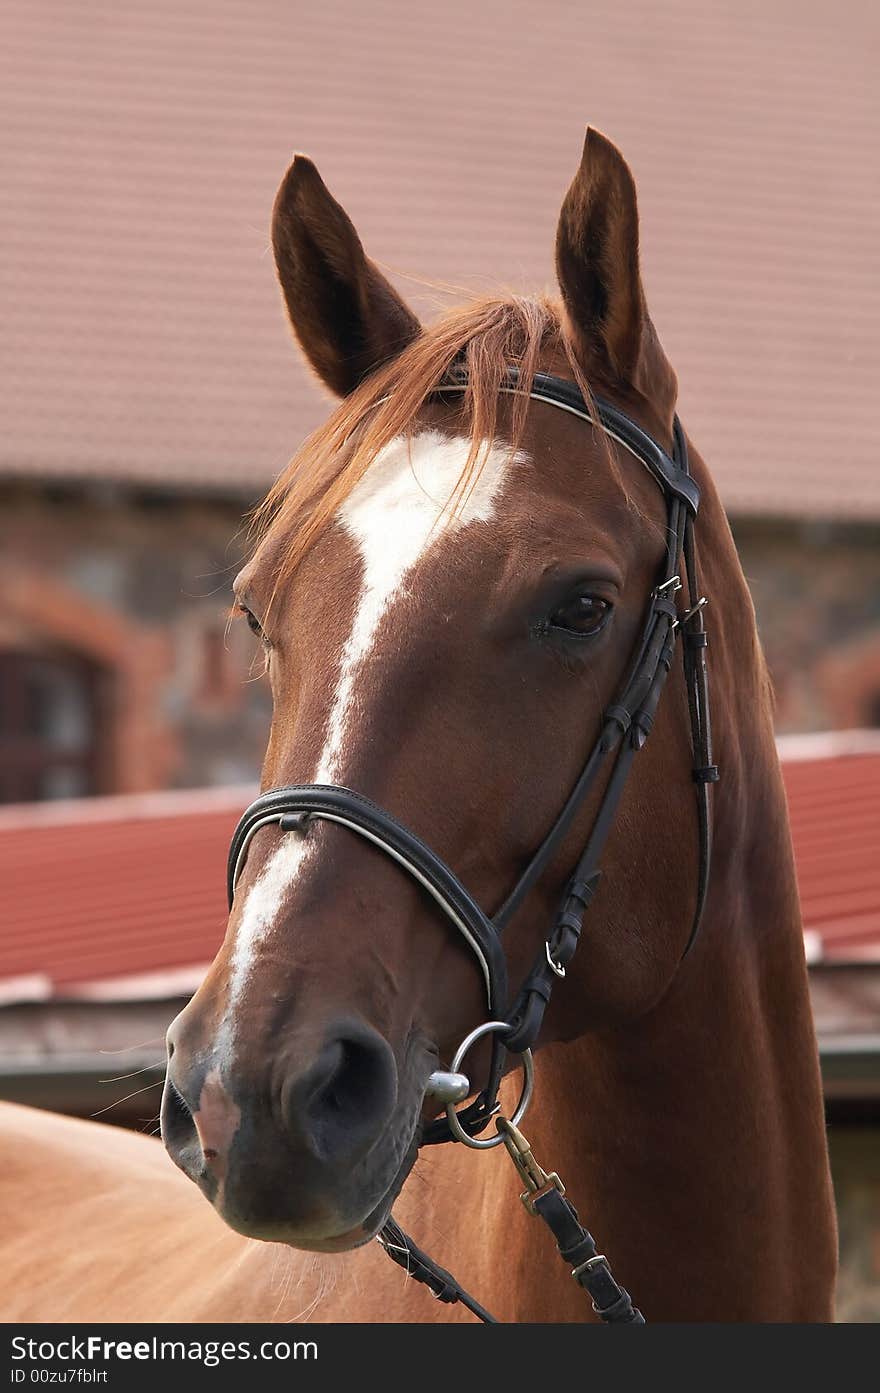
x=486 y=337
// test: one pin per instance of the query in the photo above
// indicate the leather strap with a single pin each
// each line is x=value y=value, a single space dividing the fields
x=291 y=809
x=577 y=1248
x=622 y=428
x=416 y=1263
x=557 y=391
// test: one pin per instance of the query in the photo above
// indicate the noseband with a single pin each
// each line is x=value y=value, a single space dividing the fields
x=625 y=727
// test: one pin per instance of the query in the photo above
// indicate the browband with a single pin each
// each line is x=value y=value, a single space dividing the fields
x=558 y=391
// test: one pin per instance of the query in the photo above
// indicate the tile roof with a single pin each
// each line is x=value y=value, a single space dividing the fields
x=125 y=896
x=142 y=336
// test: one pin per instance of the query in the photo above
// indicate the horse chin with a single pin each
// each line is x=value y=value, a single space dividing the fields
x=365 y=1231
x=307 y=1237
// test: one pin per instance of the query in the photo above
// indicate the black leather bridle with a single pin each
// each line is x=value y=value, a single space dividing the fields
x=626 y=725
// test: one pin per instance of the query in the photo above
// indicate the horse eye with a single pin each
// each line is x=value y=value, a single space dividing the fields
x=253 y=622
x=584 y=615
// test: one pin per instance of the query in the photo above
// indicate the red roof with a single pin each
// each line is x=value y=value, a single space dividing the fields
x=125 y=887
x=133 y=888
x=142 y=334
x=834 y=806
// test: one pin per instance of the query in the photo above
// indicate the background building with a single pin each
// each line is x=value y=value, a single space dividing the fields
x=150 y=394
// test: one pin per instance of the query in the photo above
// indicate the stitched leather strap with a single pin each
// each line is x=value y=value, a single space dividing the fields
x=292 y=808
x=416 y=1263
x=590 y=1269
x=557 y=391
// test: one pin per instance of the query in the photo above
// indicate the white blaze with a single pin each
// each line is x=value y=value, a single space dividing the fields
x=392 y=515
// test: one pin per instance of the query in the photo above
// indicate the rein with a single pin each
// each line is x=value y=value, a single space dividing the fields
x=626 y=725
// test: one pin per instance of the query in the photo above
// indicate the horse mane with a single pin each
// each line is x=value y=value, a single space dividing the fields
x=485 y=336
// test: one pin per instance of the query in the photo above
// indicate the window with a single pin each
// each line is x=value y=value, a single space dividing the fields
x=49 y=726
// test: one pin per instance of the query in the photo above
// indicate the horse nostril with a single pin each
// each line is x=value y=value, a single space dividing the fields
x=341 y=1102
x=351 y=1078
x=178 y=1128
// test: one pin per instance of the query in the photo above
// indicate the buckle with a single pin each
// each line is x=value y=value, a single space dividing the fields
x=556 y=967
x=689 y=613
x=588 y=1265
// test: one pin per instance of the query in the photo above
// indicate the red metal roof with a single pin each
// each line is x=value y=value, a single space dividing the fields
x=142 y=335
x=133 y=888
x=834 y=805
x=113 y=888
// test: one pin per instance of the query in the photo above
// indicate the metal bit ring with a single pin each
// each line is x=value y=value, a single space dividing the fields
x=525 y=1097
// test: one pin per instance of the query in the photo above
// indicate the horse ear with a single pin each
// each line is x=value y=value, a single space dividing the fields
x=597 y=262
x=347 y=317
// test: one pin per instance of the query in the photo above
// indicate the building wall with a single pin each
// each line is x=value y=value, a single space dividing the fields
x=142 y=586
x=857 y=1193
x=816 y=590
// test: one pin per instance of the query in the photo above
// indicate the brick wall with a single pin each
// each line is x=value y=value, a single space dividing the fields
x=141 y=585
x=816 y=590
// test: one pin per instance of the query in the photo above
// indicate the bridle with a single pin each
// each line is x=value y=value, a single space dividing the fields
x=626 y=724
x=625 y=727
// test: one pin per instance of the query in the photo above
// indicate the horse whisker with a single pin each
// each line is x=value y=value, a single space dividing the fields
x=119 y=1101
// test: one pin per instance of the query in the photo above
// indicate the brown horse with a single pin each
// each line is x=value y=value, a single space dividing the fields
x=449 y=589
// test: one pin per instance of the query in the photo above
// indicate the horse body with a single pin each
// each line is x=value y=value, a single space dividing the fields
x=100 y=1227
x=86 y=1245
x=678 y=1096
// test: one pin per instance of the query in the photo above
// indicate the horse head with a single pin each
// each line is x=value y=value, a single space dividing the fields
x=449 y=586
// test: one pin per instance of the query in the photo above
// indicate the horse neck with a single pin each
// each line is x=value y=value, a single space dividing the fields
x=692 y=1139
x=696 y=1133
